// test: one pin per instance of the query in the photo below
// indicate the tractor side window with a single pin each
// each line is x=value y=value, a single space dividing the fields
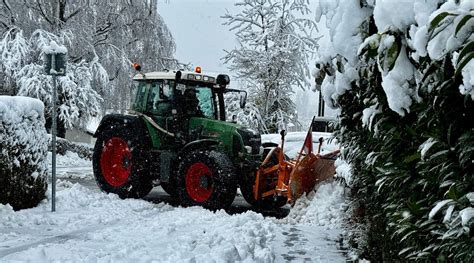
x=206 y=105
x=138 y=94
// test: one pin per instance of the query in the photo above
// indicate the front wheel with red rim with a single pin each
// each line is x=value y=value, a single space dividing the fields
x=199 y=182
x=206 y=178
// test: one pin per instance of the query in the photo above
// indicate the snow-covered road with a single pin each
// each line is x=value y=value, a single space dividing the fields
x=90 y=226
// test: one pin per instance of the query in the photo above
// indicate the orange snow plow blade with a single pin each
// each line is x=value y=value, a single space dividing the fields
x=293 y=178
x=311 y=171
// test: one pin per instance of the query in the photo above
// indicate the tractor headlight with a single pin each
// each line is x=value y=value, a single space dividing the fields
x=251 y=141
x=248 y=149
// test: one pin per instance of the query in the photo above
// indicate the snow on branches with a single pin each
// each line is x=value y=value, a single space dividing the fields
x=22 y=61
x=275 y=42
x=401 y=74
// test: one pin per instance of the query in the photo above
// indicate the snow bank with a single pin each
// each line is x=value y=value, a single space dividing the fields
x=325 y=207
x=93 y=226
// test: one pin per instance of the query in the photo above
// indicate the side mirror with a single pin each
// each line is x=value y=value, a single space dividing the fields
x=243 y=99
x=222 y=80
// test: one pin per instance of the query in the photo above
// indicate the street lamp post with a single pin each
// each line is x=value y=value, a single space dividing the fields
x=55 y=65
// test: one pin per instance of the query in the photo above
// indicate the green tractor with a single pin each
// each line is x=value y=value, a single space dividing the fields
x=176 y=135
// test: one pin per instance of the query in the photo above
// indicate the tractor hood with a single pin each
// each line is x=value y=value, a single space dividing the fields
x=234 y=137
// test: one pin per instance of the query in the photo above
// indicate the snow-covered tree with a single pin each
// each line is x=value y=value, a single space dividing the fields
x=400 y=74
x=22 y=64
x=275 y=43
x=103 y=38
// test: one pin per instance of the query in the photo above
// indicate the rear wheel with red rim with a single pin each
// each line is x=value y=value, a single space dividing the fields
x=116 y=162
x=120 y=163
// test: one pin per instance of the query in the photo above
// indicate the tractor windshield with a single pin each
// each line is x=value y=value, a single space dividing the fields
x=206 y=105
x=156 y=97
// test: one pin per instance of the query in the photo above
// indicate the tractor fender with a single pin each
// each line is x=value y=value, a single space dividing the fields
x=120 y=121
x=199 y=144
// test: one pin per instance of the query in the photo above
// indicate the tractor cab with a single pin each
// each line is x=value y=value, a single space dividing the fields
x=186 y=107
x=190 y=94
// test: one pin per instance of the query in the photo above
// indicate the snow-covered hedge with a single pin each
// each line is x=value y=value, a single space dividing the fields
x=401 y=73
x=23 y=153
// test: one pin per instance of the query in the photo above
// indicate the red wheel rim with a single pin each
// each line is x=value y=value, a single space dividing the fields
x=116 y=161
x=199 y=182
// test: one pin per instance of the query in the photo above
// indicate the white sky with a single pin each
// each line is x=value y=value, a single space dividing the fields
x=198 y=31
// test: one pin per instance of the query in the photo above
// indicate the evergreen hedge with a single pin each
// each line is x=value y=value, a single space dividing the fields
x=413 y=188
x=23 y=153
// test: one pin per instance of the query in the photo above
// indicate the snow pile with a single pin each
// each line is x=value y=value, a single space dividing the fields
x=325 y=207
x=93 y=226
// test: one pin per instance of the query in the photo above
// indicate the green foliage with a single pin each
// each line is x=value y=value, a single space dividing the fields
x=414 y=174
x=19 y=188
x=24 y=144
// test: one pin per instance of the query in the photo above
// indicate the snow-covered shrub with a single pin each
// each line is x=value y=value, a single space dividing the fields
x=24 y=145
x=404 y=89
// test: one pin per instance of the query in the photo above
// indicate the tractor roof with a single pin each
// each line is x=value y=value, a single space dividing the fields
x=185 y=75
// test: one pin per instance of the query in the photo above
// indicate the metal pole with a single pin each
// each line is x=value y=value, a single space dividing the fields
x=53 y=128
x=321 y=105
x=53 y=141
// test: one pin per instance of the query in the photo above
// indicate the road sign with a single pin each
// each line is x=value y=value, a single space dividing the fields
x=55 y=64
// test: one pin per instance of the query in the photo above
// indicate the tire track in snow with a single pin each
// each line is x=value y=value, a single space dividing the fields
x=14 y=248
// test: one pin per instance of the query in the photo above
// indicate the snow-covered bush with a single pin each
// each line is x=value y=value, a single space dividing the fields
x=401 y=74
x=23 y=153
